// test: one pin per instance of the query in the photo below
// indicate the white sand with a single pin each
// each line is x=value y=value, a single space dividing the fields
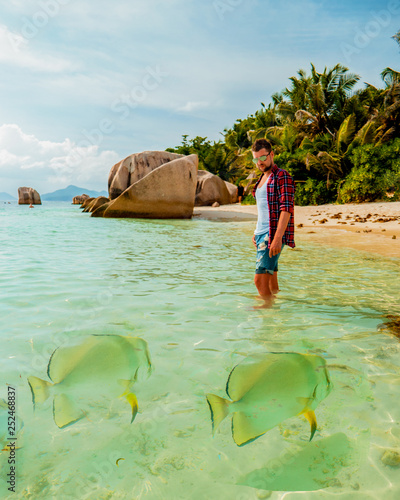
x=373 y=227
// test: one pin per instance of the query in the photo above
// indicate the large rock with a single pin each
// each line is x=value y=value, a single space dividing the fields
x=165 y=192
x=27 y=196
x=211 y=188
x=135 y=167
x=78 y=200
x=87 y=202
x=233 y=191
x=96 y=203
x=99 y=211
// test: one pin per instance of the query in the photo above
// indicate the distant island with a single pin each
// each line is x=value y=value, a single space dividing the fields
x=69 y=192
x=7 y=197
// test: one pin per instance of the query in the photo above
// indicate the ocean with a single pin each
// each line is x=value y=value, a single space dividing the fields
x=186 y=288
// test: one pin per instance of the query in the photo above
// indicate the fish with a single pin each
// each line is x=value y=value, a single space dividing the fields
x=266 y=389
x=95 y=367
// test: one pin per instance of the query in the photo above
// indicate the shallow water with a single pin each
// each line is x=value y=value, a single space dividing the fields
x=186 y=288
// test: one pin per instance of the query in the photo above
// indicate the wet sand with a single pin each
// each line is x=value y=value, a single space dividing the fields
x=371 y=227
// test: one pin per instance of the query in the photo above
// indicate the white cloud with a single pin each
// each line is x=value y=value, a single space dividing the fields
x=15 y=50
x=50 y=165
x=193 y=106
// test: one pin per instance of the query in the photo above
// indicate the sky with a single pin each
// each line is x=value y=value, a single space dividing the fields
x=85 y=84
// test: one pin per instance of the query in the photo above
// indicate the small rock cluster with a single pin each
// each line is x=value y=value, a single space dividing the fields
x=353 y=220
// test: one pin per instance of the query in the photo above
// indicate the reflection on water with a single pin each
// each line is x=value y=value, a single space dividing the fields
x=186 y=288
x=308 y=467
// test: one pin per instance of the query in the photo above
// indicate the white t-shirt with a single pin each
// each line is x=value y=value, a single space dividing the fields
x=262 y=210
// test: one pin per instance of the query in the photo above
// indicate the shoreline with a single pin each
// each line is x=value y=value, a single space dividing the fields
x=371 y=227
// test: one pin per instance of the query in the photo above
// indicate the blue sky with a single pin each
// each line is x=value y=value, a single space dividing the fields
x=84 y=84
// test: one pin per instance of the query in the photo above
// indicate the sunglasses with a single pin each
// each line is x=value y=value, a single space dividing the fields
x=260 y=158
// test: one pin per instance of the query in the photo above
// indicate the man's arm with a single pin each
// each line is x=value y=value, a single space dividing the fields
x=286 y=207
x=276 y=244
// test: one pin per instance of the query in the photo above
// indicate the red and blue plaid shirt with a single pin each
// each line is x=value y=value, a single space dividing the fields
x=280 y=191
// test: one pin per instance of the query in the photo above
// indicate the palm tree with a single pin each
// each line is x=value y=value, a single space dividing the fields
x=236 y=138
x=318 y=100
x=327 y=154
x=386 y=119
x=221 y=161
x=389 y=116
x=264 y=119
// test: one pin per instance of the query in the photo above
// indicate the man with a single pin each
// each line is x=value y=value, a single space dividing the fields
x=274 y=193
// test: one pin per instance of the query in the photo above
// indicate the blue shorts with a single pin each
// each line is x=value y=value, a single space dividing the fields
x=265 y=263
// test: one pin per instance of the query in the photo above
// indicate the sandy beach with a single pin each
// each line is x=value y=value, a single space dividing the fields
x=371 y=227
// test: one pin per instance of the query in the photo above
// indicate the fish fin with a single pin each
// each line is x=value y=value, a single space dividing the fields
x=124 y=383
x=65 y=358
x=244 y=375
x=306 y=402
x=132 y=400
x=3 y=404
x=140 y=347
x=39 y=388
x=310 y=416
x=246 y=429
x=219 y=408
x=65 y=412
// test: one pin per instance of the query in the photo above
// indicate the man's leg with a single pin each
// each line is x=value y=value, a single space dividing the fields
x=274 y=287
x=266 y=276
x=263 y=284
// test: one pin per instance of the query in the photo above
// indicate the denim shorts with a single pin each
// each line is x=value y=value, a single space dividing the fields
x=265 y=263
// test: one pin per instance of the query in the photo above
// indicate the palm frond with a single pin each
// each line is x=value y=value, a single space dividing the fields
x=346 y=133
x=366 y=134
x=390 y=76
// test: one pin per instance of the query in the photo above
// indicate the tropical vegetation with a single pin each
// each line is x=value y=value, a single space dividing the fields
x=339 y=143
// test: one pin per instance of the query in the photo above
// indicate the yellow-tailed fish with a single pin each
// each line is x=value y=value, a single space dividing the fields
x=267 y=389
x=99 y=366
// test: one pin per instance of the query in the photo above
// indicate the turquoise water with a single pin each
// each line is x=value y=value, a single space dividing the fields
x=186 y=288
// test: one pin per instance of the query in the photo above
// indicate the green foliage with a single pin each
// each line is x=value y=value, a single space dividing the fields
x=237 y=138
x=216 y=158
x=248 y=200
x=293 y=163
x=220 y=161
x=199 y=146
x=337 y=143
x=375 y=172
x=313 y=192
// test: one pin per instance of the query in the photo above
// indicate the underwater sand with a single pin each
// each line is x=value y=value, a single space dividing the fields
x=186 y=287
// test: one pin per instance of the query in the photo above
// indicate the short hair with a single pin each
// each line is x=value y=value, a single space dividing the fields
x=261 y=144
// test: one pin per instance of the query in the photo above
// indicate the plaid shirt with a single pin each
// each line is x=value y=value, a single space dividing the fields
x=280 y=190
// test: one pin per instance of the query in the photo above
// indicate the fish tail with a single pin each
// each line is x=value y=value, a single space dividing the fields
x=310 y=416
x=132 y=400
x=40 y=389
x=219 y=408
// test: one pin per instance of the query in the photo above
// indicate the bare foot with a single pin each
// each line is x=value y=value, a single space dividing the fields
x=267 y=302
